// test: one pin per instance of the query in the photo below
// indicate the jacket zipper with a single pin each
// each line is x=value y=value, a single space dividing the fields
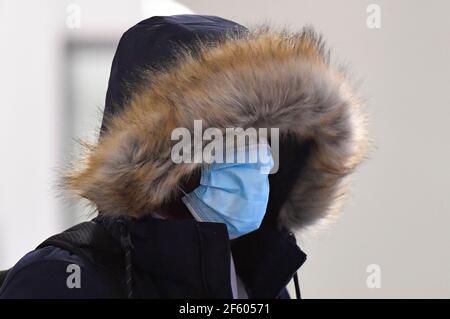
x=202 y=262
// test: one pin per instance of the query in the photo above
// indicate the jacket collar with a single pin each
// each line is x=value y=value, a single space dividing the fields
x=197 y=255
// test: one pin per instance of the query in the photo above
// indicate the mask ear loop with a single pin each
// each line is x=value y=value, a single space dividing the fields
x=182 y=190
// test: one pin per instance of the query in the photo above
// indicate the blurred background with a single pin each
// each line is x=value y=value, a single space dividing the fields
x=393 y=238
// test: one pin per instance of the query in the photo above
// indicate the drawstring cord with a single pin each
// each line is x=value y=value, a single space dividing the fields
x=127 y=246
x=297 y=286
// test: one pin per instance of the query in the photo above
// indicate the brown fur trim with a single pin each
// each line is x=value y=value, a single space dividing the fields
x=265 y=78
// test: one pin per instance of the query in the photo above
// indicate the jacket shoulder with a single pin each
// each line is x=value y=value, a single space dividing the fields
x=52 y=272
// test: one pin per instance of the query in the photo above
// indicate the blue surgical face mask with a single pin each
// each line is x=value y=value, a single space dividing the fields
x=235 y=194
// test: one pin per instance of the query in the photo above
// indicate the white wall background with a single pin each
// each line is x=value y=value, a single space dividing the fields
x=399 y=214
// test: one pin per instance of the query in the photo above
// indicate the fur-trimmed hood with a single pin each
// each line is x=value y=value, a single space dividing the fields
x=261 y=78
